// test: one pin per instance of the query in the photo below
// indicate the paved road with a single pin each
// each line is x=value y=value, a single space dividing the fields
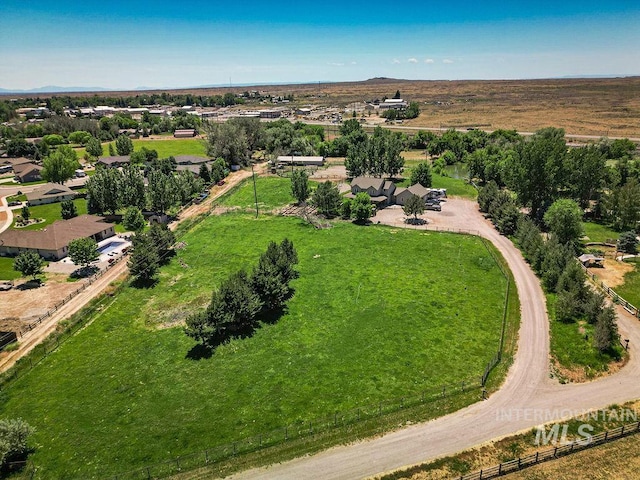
x=527 y=394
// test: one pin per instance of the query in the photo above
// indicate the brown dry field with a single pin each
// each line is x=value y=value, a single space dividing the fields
x=618 y=460
x=599 y=107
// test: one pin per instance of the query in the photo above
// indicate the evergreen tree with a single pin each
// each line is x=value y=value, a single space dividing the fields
x=68 y=209
x=605 y=334
x=144 y=261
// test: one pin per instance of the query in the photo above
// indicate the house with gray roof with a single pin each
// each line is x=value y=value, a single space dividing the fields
x=115 y=161
x=50 y=193
x=380 y=190
x=28 y=172
x=52 y=242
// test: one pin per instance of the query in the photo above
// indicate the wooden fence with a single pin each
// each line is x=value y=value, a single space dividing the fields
x=617 y=299
x=552 y=453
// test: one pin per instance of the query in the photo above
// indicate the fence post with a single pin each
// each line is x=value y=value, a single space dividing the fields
x=335 y=419
x=358 y=414
x=206 y=456
x=148 y=474
x=286 y=433
x=537 y=453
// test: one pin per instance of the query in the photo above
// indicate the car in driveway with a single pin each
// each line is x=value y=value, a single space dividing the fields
x=435 y=206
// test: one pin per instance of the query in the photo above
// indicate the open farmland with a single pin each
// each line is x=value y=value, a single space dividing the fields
x=126 y=391
x=587 y=106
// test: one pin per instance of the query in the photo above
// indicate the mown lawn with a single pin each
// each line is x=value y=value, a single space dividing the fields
x=272 y=192
x=165 y=148
x=377 y=313
x=50 y=213
x=6 y=269
x=455 y=187
x=596 y=232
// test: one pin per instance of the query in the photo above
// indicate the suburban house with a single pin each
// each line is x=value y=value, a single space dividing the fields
x=380 y=190
x=195 y=169
x=185 y=133
x=403 y=194
x=28 y=172
x=52 y=242
x=49 y=193
x=299 y=160
x=114 y=162
x=190 y=160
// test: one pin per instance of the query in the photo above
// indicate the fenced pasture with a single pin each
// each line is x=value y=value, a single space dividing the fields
x=375 y=311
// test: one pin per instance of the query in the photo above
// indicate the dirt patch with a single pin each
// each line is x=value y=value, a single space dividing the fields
x=613 y=272
x=25 y=305
x=3 y=216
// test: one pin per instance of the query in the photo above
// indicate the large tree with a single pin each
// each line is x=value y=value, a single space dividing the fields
x=628 y=243
x=124 y=145
x=623 y=205
x=161 y=191
x=605 y=334
x=300 y=185
x=421 y=174
x=414 y=206
x=104 y=191
x=132 y=191
x=228 y=141
x=144 y=261
x=361 y=208
x=29 y=264
x=536 y=172
x=60 y=165
x=68 y=209
x=14 y=435
x=586 y=169
x=327 y=199
x=564 y=219
x=133 y=220
x=94 y=148
x=83 y=251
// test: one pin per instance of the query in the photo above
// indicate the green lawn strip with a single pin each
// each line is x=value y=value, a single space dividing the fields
x=596 y=232
x=6 y=269
x=630 y=289
x=360 y=329
x=455 y=187
x=50 y=213
x=272 y=192
x=572 y=344
x=173 y=147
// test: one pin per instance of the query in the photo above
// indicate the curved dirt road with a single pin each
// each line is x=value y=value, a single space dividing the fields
x=527 y=398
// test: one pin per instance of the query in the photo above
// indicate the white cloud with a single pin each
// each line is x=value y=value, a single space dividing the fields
x=447 y=60
x=354 y=63
x=336 y=64
x=395 y=61
x=413 y=60
x=429 y=60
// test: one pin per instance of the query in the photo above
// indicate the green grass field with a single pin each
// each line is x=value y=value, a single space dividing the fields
x=6 y=269
x=165 y=148
x=596 y=232
x=272 y=192
x=572 y=345
x=455 y=187
x=50 y=213
x=630 y=290
x=378 y=313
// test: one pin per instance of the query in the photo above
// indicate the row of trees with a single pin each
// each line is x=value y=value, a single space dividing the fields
x=112 y=189
x=378 y=155
x=542 y=169
x=561 y=274
x=554 y=259
x=149 y=251
x=243 y=300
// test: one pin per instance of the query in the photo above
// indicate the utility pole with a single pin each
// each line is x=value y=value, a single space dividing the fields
x=255 y=191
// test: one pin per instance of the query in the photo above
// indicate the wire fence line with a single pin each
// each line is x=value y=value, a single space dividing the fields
x=298 y=430
x=552 y=453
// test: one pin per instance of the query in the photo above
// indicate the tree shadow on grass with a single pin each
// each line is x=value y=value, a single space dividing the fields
x=144 y=283
x=199 y=352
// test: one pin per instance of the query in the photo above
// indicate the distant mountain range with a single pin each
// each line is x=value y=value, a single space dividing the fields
x=58 y=89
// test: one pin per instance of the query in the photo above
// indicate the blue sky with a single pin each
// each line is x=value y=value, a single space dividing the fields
x=160 y=44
